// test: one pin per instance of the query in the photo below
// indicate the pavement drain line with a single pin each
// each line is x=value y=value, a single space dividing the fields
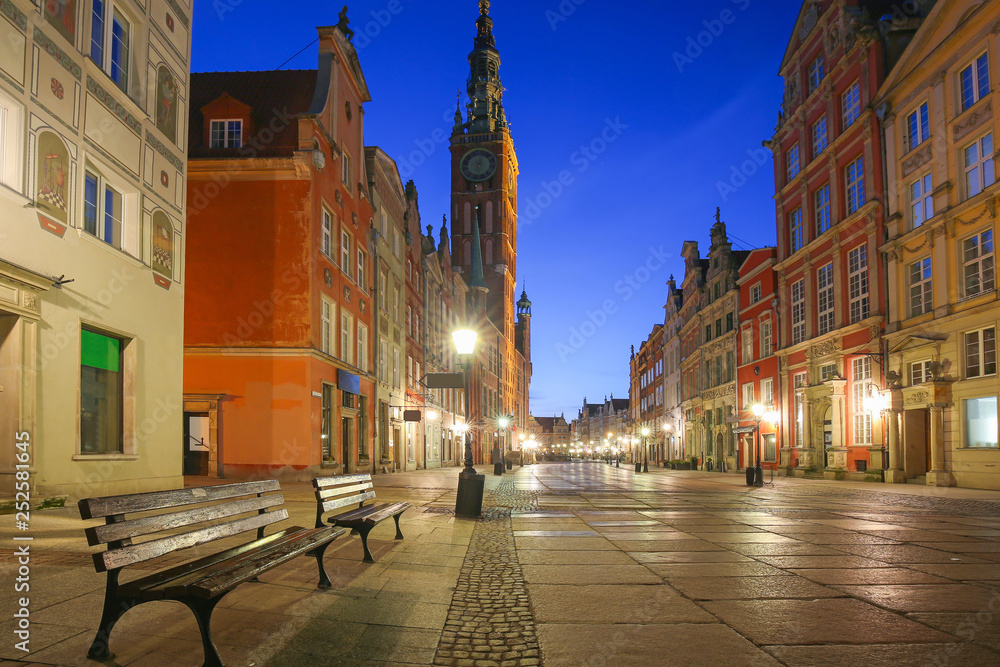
x=489 y=622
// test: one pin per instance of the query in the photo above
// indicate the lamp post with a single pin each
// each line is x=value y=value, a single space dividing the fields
x=645 y=451
x=668 y=451
x=469 y=501
x=521 y=437
x=502 y=463
x=760 y=413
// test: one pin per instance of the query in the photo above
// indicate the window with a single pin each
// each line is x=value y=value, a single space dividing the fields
x=974 y=81
x=920 y=372
x=718 y=328
x=799 y=382
x=855 y=177
x=729 y=322
x=748 y=399
x=104 y=212
x=792 y=162
x=396 y=379
x=101 y=382
x=981 y=422
x=345 y=164
x=820 y=138
x=827 y=371
x=765 y=339
x=861 y=373
x=116 y=32
x=977 y=264
x=747 y=345
x=326 y=428
x=857 y=264
x=384 y=225
x=921 y=296
x=362 y=274
x=708 y=333
x=346 y=337
x=816 y=73
x=978 y=161
x=326 y=325
x=921 y=200
x=755 y=293
x=227 y=133
x=795 y=229
x=327 y=233
x=395 y=242
x=345 y=252
x=981 y=353
x=362 y=347
x=395 y=303
x=823 y=220
x=825 y=297
x=850 y=103
x=767 y=392
x=11 y=120
x=798 y=312
x=918 y=128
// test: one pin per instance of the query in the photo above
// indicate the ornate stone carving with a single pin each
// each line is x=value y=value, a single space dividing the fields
x=973 y=120
x=809 y=21
x=917 y=398
x=874 y=331
x=917 y=159
x=30 y=301
x=823 y=349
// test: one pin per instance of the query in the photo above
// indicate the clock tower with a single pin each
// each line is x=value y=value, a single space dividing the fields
x=484 y=180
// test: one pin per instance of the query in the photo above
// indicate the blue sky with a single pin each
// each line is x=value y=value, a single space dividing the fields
x=645 y=109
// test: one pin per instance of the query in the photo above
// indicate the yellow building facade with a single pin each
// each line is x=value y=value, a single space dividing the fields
x=940 y=109
x=93 y=158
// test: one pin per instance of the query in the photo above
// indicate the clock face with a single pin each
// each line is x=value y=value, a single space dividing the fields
x=479 y=164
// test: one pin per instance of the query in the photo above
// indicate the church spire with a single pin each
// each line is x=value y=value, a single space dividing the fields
x=478 y=281
x=485 y=110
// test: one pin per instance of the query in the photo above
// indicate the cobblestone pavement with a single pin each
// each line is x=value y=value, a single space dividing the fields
x=489 y=622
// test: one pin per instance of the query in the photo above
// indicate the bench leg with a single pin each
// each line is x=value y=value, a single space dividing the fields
x=399 y=534
x=364 y=543
x=114 y=608
x=203 y=614
x=324 y=581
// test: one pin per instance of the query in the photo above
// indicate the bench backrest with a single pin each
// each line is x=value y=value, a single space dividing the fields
x=207 y=522
x=333 y=493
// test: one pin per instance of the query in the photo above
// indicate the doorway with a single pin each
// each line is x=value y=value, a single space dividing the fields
x=345 y=441
x=196 y=443
x=916 y=448
x=10 y=383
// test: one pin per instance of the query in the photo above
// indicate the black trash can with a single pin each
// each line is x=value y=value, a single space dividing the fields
x=638 y=466
x=498 y=468
x=469 y=502
x=510 y=464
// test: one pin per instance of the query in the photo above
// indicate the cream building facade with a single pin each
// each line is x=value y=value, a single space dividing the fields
x=940 y=109
x=93 y=138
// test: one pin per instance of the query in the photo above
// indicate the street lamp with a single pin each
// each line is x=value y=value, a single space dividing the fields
x=521 y=463
x=671 y=454
x=469 y=501
x=501 y=427
x=645 y=451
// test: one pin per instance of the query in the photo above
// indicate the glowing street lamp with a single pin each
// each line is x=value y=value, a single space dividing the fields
x=469 y=500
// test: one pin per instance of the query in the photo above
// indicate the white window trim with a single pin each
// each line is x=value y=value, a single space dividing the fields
x=843 y=104
x=225 y=133
x=327 y=331
x=920 y=126
x=327 y=232
x=926 y=293
x=826 y=317
x=981 y=165
x=977 y=93
x=12 y=145
x=131 y=235
x=978 y=261
x=106 y=40
x=981 y=365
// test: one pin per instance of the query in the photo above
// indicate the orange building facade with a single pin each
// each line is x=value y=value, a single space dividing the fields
x=278 y=356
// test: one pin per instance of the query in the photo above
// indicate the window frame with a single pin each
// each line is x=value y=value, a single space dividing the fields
x=921 y=193
x=920 y=287
x=984 y=261
x=362 y=275
x=861 y=383
x=345 y=252
x=346 y=337
x=327 y=232
x=815 y=73
x=821 y=208
x=793 y=165
x=327 y=316
x=766 y=350
x=826 y=313
x=850 y=104
x=983 y=367
x=966 y=425
x=925 y=375
x=982 y=165
x=917 y=128
x=105 y=59
x=345 y=167
x=11 y=143
x=796 y=235
x=820 y=140
x=859 y=287
x=798 y=308
x=227 y=141
x=130 y=241
x=976 y=79
x=362 y=361
x=122 y=413
x=854 y=185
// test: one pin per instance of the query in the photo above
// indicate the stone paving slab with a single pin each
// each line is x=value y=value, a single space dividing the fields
x=646 y=604
x=882 y=655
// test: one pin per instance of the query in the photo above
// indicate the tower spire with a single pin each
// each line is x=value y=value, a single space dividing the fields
x=486 y=112
x=478 y=281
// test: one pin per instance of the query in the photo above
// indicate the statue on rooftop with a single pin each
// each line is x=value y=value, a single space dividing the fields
x=343 y=24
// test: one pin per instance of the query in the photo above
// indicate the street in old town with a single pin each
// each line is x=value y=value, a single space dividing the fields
x=583 y=563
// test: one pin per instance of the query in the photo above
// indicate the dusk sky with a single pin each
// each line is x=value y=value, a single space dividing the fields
x=644 y=109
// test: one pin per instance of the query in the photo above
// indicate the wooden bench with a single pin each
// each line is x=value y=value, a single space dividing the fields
x=201 y=583
x=335 y=493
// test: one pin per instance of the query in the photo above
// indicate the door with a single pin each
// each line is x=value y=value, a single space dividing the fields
x=10 y=403
x=345 y=442
x=196 y=443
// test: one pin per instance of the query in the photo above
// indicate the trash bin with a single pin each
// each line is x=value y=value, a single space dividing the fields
x=469 y=502
x=510 y=464
x=638 y=466
x=498 y=468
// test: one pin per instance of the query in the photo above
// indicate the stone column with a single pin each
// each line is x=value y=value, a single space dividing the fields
x=895 y=474
x=938 y=475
